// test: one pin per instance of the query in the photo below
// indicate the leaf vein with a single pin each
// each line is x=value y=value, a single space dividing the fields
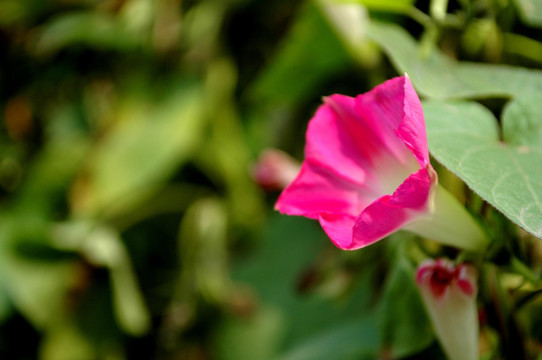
x=534 y=195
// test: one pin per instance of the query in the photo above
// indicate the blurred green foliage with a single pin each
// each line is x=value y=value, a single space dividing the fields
x=130 y=226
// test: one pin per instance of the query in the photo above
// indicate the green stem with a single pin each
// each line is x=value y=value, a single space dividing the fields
x=420 y=17
x=522 y=269
x=438 y=9
x=524 y=300
x=450 y=224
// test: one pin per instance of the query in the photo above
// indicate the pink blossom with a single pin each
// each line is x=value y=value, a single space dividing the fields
x=449 y=295
x=366 y=171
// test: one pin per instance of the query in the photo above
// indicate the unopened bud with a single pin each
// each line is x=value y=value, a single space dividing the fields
x=449 y=294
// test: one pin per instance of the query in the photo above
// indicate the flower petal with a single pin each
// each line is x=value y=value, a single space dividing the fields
x=383 y=110
x=389 y=213
x=333 y=140
x=339 y=229
x=412 y=128
x=355 y=147
x=316 y=190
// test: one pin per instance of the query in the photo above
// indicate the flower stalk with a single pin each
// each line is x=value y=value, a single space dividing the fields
x=449 y=223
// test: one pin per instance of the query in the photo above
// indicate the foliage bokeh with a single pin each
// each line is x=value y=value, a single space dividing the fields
x=130 y=225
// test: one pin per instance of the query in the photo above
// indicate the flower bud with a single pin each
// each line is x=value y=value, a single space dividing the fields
x=275 y=169
x=449 y=295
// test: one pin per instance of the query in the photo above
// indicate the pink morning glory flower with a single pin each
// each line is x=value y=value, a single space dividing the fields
x=366 y=172
x=449 y=294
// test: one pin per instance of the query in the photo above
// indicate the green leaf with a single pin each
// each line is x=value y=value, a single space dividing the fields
x=14 y=11
x=254 y=337
x=148 y=142
x=225 y=156
x=294 y=243
x=203 y=235
x=437 y=76
x=350 y=21
x=102 y=246
x=352 y=340
x=400 y=6
x=46 y=179
x=36 y=284
x=302 y=62
x=464 y=137
x=404 y=325
x=94 y=29
x=522 y=123
x=65 y=342
x=523 y=46
x=530 y=11
x=6 y=307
